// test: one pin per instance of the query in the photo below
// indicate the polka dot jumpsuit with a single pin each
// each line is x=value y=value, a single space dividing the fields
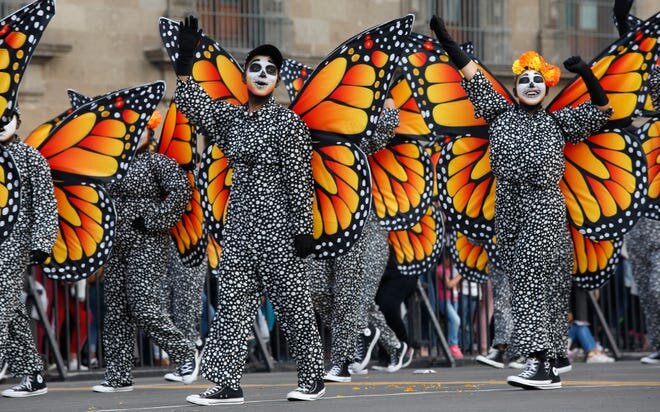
x=339 y=285
x=155 y=188
x=270 y=203
x=35 y=229
x=526 y=154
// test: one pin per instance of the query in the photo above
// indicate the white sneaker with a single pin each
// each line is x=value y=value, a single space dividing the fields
x=74 y=366
x=353 y=369
x=173 y=377
x=652 y=359
x=599 y=358
x=307 y=394
x=105 y=387
x=190 y=369
x=396 y=360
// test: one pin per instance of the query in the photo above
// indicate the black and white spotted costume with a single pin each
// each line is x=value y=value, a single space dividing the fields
x=526 y=155
x=182 y=293
x=270 y=203
x=155 y=188
x=35 y=229
x=339 y=286
x=502 y=316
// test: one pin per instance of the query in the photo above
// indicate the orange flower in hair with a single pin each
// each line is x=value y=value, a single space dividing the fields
x=155 y=120
x=531 y=60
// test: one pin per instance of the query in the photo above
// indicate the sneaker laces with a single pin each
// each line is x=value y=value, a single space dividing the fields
x=360 y=348
x=186 y=368
x=335 y=370
x=25 y=384
x=211 y=391
x=530 y=368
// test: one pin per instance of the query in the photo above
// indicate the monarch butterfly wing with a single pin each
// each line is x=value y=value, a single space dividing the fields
x=434 y=150
x=622 y=69
x=10 y=194
x=594 y=262
x=215 y=183
x=436 y=85
x=294 y=75
x=649 y=135
x=416 y=250
x=189 y=233
x=86 y=231
x=20 y=33
x=78 y=99
x=466 y=186
x=411 y=122
x=342 y=195
x=401 y=182
x=469 y=258
x=213 y=251
x=216 y=71
x=605 y=183
x=178 y=139
x=98 y=140
x=345 y=93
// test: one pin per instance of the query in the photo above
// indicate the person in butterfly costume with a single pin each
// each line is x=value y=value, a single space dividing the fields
x=643 y=240
x=30 y=242
x=526 y=154
x=338 y=284
x=269 y=221
x=149 y=199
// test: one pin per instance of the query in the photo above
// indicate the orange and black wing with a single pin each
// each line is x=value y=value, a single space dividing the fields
x=10 y=194
x=345 y=93
x=178 y=139
x=78 y=99
x=466 y=186
x=20 y=33
x=213 y=251
x=469 y=258
x=294 y=75
x=412 y=124
x=342 y=195
x=417 y=250
x=401 y=183
x=189 y=233
x=434 y=150
x=214 y=181
x=436 y=85
x=216 y=71
x=594 y=262
x=649 y=135
x=87 y=221
x=623 y=70
x=605 y=183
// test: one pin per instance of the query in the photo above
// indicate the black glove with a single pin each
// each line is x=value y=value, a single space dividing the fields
x=139 y=224
x=621 y=11
x=575 y=64
x=304 y=245
x=456 y=54
x=189 y=36
x=38 y=257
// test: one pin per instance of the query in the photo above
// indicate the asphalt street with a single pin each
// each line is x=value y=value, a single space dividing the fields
x=622 y=386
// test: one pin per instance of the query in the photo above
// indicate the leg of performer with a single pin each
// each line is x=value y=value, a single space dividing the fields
x=559 y=306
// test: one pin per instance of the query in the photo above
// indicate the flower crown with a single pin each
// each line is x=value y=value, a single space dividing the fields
x=531 y=60
x=155 y=120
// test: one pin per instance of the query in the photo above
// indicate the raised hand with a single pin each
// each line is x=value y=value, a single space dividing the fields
x=189 y=36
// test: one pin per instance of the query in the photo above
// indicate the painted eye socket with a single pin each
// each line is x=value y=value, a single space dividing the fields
x=254 y=68
x=523 y=80
x=538 y=79
x=271 y=69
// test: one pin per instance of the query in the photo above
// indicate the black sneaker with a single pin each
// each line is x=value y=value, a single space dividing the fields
x=396 y=360
x=408 y=358
x=218 y=395
x=106 y=387
x=537 y=375
x=563 y=365
x=494 y=358
x=189 y=370
x=338 y=373
x=307 y=394
x=365 y=345
x=554 y=375
x=31 y=385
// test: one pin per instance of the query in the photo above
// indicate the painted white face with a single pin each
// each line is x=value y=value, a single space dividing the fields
x=9 y=130
x=261 y=76
x=531 y=88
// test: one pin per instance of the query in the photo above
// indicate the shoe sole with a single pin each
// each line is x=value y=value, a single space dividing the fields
x=210 y=402
x=114 y=390
x=172 y=378
x=650 y=362
x=485 y=361
x=338 y=379
x=358 y=372
x=25 y=394
x=367 y=355
x=302 y=397
x=529 y=385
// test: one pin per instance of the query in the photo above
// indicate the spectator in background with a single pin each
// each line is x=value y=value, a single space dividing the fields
x=448 y=303
x=580 y=333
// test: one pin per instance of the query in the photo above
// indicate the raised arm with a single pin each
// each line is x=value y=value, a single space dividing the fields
x=576 y=65
x=456 y=55
x=44 y=228
x=621 y=11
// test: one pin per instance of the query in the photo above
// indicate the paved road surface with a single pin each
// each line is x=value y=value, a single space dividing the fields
x=623 y=386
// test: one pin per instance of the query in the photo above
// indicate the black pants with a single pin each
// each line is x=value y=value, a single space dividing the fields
x=393 y=290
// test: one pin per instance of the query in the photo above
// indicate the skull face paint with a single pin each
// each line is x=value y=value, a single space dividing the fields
x=531 y=88
x=9 y=129
x=261 y=76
